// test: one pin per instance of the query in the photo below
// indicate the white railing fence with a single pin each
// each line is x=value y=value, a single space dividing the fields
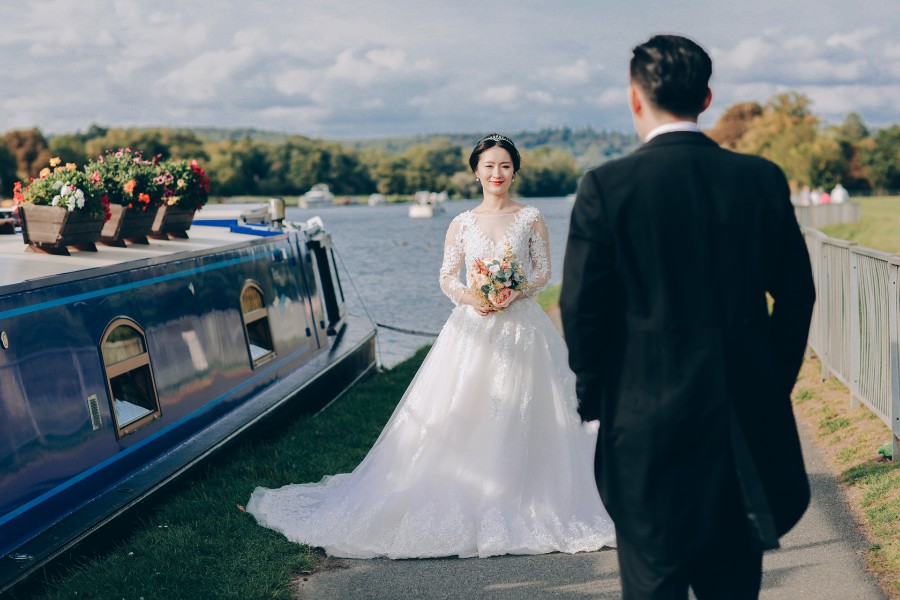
x=823 y=215
x=855 y=328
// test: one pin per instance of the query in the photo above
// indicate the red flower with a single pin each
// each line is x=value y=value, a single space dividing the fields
x=18 y=196
x=105 y=200
x=145 y=198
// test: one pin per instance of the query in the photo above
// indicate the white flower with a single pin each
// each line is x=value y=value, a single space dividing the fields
x=79 y=195
x=66 y=190
x=55 y=201
x=79 y=201
x=494 y=268
x=57 y=184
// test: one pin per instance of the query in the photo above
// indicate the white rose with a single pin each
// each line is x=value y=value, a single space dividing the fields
x=66 y=190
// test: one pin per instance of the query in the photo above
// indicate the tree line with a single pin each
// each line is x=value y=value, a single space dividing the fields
x=288 y=166
x=784 y=130
x=810 y=152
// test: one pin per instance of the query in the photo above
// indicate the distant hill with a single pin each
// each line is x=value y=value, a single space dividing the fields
x=589 y=146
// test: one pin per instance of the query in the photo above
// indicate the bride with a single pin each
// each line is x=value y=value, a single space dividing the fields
x=485 y=454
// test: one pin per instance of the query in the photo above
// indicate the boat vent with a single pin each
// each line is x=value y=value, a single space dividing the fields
x=94 y=409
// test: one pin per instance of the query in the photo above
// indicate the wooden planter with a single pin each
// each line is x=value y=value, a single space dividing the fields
x=171 y=222
x=53 y=229
x=127 y=224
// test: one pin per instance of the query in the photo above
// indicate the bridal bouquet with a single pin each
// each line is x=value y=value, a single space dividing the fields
x=497 y=280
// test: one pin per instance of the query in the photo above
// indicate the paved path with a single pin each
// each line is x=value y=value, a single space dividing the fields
x=820 y=559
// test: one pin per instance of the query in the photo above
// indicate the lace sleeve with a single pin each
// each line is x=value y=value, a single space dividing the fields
x=539 y=249
x=453 y=255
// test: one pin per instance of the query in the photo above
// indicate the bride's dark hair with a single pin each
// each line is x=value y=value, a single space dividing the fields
x=491 y=140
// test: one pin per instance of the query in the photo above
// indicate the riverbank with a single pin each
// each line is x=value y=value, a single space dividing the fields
x=195 y=542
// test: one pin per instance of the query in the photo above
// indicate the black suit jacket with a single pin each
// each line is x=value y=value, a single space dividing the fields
x=670 y=255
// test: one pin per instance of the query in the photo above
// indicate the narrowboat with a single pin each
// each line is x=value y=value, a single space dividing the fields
x=122 y=368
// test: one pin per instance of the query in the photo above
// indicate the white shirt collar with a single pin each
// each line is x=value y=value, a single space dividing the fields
x=670 y=127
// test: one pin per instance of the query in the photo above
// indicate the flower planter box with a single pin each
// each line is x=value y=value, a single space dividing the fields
x=53 y=229
x=172 y=222
x=127 y=224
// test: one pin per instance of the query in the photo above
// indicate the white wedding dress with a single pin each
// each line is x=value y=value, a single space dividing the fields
x=485 y=453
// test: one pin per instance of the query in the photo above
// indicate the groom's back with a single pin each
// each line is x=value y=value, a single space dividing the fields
x=695 y=229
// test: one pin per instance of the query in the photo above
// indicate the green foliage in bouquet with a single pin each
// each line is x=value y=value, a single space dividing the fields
x=66 y=187
x=128 y=178
x=187 y=185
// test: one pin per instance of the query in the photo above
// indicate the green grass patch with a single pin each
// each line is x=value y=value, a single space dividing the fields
x=804 y=394
x=549 y=296
x=878 y=226
x=195 y=543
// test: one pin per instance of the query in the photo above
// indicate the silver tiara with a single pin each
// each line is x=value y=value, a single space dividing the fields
x=500 y=138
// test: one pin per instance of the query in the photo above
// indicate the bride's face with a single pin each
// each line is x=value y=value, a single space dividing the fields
x=495 y=170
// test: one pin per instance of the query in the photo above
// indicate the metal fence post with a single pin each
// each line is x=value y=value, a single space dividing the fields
x=894 y=320
x=854 y=330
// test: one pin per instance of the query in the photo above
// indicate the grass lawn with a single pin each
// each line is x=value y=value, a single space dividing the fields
x=196 y=543
x=849 y=439
x=878 y=226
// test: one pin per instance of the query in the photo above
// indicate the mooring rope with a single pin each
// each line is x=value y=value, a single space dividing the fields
x=407 y=331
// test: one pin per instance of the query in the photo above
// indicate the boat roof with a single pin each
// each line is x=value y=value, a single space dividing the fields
x=18 y=265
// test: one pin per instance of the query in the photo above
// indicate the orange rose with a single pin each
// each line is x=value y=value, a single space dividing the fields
x=503 y=297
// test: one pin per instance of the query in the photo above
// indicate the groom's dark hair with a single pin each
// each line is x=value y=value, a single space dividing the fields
x=674 y=72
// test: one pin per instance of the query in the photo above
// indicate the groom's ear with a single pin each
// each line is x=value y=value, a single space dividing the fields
x=634 y=100
x=708 y=100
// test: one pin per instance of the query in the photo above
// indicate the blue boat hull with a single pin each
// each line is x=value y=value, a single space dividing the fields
x=67 y=465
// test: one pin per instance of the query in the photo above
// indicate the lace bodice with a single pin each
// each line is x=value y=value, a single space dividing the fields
x=474 y=236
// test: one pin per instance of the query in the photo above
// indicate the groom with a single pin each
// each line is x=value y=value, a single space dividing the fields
x=670 y=255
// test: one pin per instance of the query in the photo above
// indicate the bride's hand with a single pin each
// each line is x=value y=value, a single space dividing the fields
x=513 y=295
x=480 y=307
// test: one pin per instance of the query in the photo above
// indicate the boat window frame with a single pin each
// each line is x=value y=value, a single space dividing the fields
x=257 y=314
x=128 y=365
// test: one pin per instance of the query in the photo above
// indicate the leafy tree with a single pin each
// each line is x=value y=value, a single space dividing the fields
x=734 y=123
x=547 y=172
x=882 y=158
x=785 y=134
x=7 y=170
x=29 y=148
x=70 y=148
x=852 y=135
x=237 y=168
x=162 y=143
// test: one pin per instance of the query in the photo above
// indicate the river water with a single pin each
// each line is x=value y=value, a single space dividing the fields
x=393 y=262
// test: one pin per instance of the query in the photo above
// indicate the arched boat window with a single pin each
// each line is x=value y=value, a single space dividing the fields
x=256 y=324
x=129 y=376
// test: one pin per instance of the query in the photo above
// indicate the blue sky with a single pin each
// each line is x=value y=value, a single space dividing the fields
x=347 y=69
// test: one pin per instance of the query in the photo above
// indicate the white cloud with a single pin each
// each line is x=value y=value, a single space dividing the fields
x=577 y=73
x=853 y=40
x=541 y=97
x=500 y=94
x=326 y=68
x=207 y=76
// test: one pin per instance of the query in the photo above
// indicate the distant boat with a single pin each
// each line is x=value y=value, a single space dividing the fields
x=427 y=204
x=376 y=199
x=318 y=195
